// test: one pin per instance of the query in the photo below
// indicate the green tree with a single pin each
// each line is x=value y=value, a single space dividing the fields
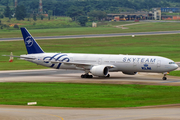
x=42 y=17
x=4 y=2
x=7 y=12
x=1 y=16
x=50 y=12
x=20 y=13
x=61 y=7
x=82 y=20
x=2 y=26
x=74 y=12
x=98 y=15
x=34 y=17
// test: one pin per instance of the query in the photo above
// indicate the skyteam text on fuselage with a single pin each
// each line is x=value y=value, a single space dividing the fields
x=95 y=64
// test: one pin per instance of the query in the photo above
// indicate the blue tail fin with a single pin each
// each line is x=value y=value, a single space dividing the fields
x=31 y=45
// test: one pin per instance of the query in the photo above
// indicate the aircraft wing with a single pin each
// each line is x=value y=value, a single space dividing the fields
x=19 y=56
x=80 y=64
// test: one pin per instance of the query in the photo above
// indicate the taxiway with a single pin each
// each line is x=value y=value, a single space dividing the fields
x=73 y=76
x=95 y=35
x=168 y=112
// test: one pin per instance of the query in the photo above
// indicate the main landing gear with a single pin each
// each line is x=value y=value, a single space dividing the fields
x=86 y=76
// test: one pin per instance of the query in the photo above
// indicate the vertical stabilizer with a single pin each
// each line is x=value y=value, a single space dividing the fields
x=31 y=45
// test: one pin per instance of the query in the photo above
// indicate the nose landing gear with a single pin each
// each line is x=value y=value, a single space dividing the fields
x=164 y=77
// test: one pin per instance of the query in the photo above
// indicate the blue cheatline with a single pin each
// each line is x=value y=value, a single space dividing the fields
x=31 y=45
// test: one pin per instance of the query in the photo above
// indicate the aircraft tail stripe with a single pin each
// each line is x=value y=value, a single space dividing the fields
x=56 y=59
x=54 y=56
x=61 y=63
x=60 y=57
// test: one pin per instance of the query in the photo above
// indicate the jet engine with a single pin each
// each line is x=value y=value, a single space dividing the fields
x=99 y=70
x=129 y=73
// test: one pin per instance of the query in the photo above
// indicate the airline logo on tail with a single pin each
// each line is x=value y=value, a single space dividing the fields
x=31 y=45
x=29 y=41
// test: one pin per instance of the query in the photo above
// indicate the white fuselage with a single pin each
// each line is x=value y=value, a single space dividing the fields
x=124 y=63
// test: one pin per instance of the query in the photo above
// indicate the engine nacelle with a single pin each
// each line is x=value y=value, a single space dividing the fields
x=129 y=73
x=100 y=70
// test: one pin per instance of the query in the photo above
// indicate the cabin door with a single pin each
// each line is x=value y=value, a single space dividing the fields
x=159 y=63
x=100 y=61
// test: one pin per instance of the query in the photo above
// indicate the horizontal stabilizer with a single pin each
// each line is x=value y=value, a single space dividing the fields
x=19 y=56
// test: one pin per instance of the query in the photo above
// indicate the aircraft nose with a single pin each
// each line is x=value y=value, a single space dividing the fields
x=175 y=66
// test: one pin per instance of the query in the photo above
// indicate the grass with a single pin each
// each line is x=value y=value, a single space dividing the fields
x=87 y=95
x=60 y=27
x=54 y=22
x=175 y=73
x=158 y=45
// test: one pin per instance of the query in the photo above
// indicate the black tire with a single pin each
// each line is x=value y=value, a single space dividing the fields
x=82 y=76
x=108 y=75
x=164 y=78
x=86 y=76
x=90 y=76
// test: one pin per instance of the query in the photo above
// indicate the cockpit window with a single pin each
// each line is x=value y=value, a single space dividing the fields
x=172 y=63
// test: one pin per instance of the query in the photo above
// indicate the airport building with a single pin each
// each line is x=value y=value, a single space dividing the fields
x=171 y=10
x=155 y=14
x=123 y=16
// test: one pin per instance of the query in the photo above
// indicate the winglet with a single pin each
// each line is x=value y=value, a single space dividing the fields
x=11 y=57
x=31 y=45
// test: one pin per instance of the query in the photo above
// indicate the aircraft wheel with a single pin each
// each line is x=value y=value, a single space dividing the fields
x=86 y=76
x=164 y=78
x=90 y=76
x=108 y=75
x=82 y=76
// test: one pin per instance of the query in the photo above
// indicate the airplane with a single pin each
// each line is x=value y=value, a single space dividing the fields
x=95 y=64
